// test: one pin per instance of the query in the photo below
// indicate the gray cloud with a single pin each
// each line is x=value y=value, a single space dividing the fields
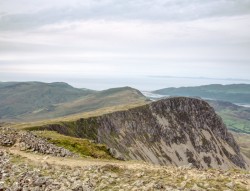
x=30 y=15
x=116 y=37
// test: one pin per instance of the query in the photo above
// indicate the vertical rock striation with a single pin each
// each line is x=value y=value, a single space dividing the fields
x=174 y=131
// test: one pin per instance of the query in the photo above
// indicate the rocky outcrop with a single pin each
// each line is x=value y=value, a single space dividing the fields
x=18 y=174
x=175 y=131
x=30 y=142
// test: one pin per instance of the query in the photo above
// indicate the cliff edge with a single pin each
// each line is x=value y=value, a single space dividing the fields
x=174 y=131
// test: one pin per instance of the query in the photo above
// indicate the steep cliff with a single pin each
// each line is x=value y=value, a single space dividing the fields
x=175 y=131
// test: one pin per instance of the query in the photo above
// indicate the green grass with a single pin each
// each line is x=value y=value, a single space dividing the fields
x=34 y=101
x=235 y=123
x=83 y=147
x=36 y=124
x=236 y=118
x=19 y=98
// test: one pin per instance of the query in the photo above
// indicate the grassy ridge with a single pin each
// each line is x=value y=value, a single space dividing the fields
x=71 y=118
x=32 y=101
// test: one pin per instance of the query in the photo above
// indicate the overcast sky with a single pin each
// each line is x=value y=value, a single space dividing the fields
x=72 y=39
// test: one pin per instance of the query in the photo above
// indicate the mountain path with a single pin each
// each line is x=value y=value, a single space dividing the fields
x=58 y=173
x=82 y=162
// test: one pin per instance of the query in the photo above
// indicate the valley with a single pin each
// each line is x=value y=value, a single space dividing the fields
x=237 y=118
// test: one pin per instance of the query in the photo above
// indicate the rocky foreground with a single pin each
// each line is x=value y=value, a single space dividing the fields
x=17 y=173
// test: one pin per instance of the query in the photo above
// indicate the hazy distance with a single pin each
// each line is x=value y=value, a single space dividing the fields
x=108 y=43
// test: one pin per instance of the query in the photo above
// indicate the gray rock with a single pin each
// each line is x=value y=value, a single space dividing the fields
x=230 y=185
x=40 y=181
x=77 y=186
x=116 y=154
x=158 y=186
x=2 y=186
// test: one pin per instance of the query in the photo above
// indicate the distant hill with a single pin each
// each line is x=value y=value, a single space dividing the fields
x=17 y=98
x=92 y=102
x=236 y=118
x=235 y=93
x=36 y=100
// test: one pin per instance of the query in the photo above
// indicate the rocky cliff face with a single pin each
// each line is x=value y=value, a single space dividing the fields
x=174 y=131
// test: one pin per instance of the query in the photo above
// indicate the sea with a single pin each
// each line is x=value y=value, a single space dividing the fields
x=149 y=83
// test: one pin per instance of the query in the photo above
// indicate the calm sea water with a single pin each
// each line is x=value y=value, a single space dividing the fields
x=243 y=105
x=143 y=83
x=148 y=83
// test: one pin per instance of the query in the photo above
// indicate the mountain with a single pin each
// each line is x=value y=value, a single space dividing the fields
x=17 y=98
x=28 y=101
x=237 y=118
x=103 y=99
x=174 y=131
x=235 y=93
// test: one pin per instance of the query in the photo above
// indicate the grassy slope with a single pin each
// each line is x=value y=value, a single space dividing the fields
x=32 y=101
x=236 y=93
x=83 y=147
x=17 y=98
x=103 y=99
x=70 y=118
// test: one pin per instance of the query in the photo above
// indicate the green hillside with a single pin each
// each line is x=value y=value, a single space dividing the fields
x=29 y=101
x=18 y=98
x=102 y=99
x=235 y=93
x=236 y=118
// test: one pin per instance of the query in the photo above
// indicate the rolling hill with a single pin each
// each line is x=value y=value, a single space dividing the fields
x=102 y=99
x=28 y=101
x=18 y=98
x=235 y=93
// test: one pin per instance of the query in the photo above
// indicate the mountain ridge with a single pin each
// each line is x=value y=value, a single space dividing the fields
x=173 y=131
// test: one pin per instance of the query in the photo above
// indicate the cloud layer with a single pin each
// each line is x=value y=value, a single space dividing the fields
x=23 y=14
x=114 y=37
